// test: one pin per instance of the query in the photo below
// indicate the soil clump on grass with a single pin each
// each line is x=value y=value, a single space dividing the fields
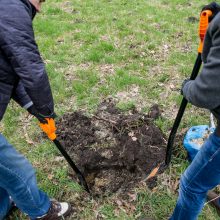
x=115 y=150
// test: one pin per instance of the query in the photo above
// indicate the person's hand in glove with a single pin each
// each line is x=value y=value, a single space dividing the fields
x=183 y=84
x=47 y=122
x=214 y=8
x=41 y=117
x=49 y=128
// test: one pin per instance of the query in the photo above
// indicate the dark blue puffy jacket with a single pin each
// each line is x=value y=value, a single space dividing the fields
x=22 y=72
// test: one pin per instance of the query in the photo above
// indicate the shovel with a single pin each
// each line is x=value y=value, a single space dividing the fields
x=49 y=128
x=203 y=25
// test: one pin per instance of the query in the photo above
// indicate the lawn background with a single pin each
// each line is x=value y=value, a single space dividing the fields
x=137 y=52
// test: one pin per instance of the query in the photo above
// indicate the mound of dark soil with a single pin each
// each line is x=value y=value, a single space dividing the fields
x=114 y=150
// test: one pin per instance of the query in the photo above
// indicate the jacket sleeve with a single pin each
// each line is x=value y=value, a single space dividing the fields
x=18 y=43
x=204 y=91
x=21 y=97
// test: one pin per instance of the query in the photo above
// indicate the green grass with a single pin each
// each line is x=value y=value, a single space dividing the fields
x=96 y=49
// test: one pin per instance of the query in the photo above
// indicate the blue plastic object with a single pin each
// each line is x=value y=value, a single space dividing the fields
x=195 y=138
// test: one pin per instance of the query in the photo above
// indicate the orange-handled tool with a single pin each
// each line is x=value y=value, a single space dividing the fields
x=203 y=25
x=49 y=128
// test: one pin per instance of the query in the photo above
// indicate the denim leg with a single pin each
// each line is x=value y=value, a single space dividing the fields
x=17 y=177
x=202 y=175
x=5 y=203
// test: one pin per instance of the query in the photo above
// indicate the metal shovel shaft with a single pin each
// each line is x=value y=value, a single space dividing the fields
x=180 y=113
x=73 y=165
x=203 y=25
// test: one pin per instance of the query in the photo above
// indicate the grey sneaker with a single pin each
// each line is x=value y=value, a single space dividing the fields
x=57 y=211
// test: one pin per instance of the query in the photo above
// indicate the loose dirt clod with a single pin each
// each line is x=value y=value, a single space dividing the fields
x=114 y=150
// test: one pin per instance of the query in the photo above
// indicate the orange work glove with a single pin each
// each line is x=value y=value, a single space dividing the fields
x=49 y=128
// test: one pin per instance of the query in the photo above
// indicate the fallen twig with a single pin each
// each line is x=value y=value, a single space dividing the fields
x=109 y=121
x=104 y=119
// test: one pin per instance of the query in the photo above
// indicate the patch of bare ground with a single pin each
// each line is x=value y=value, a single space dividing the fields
x=70 y=71
x=161 y=54
x=132 y=95
x=68 y=7
x=105 y=69
x=115 y=151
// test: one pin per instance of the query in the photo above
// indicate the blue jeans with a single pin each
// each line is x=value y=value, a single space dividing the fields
x=202 y=175
x=17 y=180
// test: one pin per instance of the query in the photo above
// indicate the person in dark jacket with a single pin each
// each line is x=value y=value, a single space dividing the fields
x=203 y=174
x=23 y=78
